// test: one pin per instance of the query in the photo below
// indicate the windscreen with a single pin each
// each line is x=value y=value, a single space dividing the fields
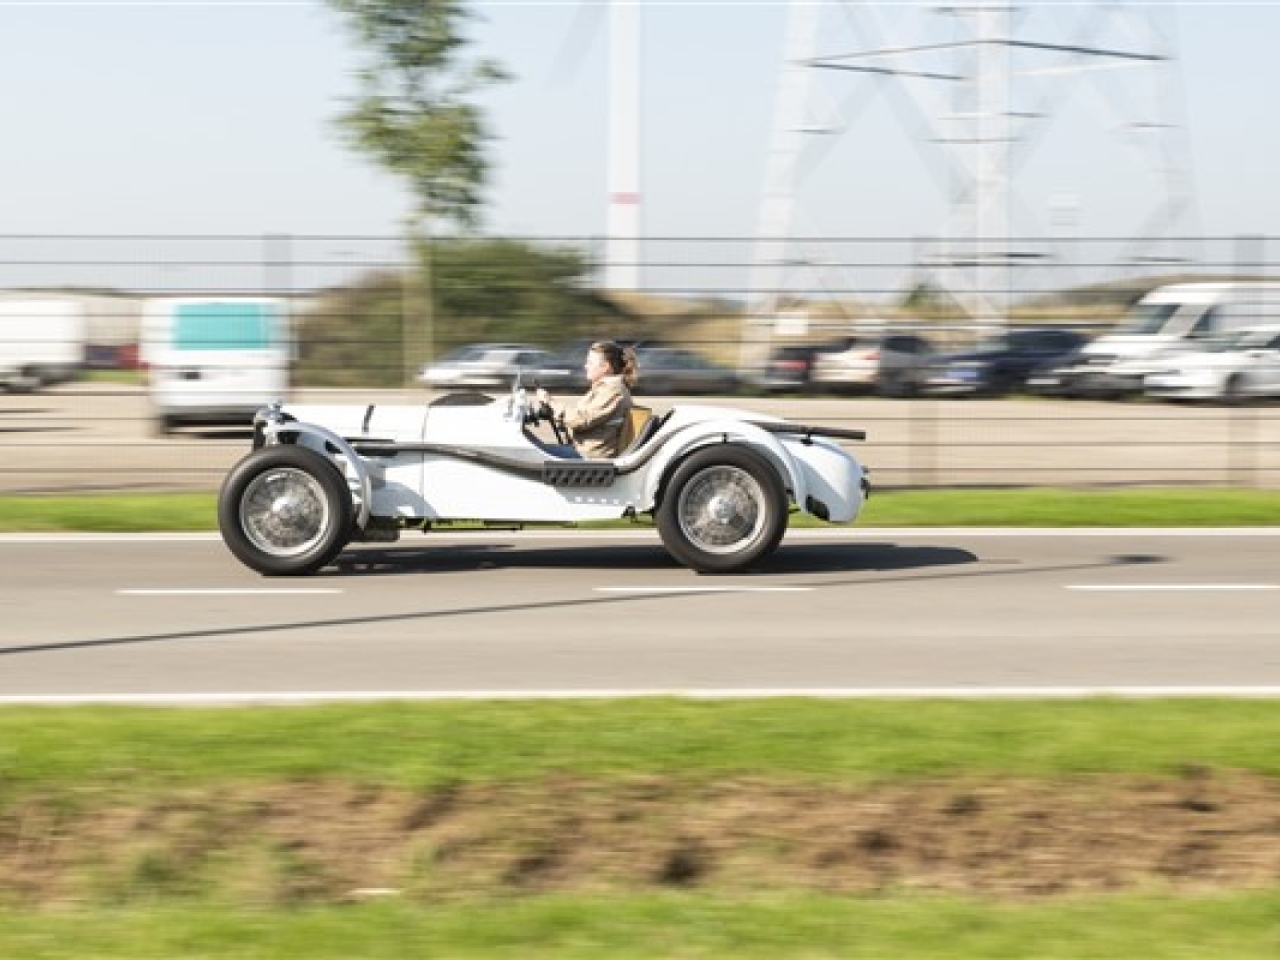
x=1148 y=318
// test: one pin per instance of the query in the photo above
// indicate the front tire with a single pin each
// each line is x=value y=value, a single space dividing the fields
x=285 y=510
x=724 y=509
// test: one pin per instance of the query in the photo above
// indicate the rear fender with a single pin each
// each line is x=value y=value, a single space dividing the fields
x=709 y=433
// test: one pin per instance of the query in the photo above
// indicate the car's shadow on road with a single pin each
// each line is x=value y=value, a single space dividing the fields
x=499 y=554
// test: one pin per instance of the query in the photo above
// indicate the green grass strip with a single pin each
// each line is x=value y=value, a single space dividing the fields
x=132 y=752
x=670 y=926
x=109 y=513
x=1040 y=506
x=1053 y=507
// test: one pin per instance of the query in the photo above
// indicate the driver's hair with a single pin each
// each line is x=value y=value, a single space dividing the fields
x=621 y=360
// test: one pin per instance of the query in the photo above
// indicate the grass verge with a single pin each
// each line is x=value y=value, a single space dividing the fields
x=422 y=746
x=1240 y=927
x=1040 y=507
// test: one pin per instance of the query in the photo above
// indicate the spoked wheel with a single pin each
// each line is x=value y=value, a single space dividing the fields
x=724 y=509
x=285 y=510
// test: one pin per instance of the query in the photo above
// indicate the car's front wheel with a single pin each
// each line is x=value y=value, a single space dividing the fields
x=723 y=509
x=285 y=510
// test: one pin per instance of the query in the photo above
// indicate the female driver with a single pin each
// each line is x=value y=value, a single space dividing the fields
x=595 y=421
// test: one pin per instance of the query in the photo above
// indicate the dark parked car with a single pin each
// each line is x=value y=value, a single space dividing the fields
x=789 y=368
x=1064 y=377
x=1002 y=363
x=671 y=371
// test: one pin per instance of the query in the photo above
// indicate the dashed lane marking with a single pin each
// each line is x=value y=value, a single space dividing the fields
x=229 y=591
x=722 y=589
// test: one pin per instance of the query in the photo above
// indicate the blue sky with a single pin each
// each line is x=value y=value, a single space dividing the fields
x=216 y=118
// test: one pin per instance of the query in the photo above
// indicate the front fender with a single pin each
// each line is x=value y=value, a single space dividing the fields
x=328 y=441
x=708 y=433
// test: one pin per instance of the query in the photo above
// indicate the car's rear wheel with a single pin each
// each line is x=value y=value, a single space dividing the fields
x=1233 y=392
x=285 y=510
x=723 y=509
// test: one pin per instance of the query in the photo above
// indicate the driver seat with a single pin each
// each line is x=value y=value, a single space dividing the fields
x=633 y=424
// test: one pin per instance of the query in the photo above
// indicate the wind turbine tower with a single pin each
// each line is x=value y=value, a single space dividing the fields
x=622 y=253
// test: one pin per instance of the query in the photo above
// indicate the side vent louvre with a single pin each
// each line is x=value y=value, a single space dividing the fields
x=578 y=473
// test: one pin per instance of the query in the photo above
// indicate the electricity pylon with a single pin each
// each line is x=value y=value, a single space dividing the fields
x=976 y=84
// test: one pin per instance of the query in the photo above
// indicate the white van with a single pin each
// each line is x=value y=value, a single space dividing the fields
x=42 y=342
x=1170 y=318
x=214 y=360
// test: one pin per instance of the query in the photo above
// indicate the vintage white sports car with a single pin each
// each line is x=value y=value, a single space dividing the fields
x=719 y=482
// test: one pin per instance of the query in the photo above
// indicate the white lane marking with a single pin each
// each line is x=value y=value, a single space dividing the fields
x=303 y=697
x=1168 y=587
x=228 y=591
x=724 y=589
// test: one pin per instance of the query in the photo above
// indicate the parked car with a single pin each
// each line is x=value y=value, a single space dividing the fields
x=669 y=371
x=1233 y=368
x=1003 y=362
x=789 y=368
x=492 y=366
x=892 y=364
x=1058 y=378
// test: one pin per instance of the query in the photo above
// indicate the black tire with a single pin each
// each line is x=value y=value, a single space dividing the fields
x=1233 y=394
x=888 y=386
x=164 y=426
x=285 y=510
x=723 y=509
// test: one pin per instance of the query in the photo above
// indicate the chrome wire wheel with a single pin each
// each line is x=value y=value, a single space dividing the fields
x=722 y=509
x=284 y=512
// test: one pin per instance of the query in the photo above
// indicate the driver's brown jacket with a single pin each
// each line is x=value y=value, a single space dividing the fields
x=595 y=421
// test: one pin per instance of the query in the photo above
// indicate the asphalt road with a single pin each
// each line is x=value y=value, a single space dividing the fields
x=177 y=619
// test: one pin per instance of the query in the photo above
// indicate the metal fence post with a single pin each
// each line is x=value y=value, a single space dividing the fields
x=1242 y=434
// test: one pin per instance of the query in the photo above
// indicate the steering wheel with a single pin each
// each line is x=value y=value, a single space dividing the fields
x=536 y=413
x=544 y=412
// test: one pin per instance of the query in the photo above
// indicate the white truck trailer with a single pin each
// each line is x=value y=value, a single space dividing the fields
x=42 y=342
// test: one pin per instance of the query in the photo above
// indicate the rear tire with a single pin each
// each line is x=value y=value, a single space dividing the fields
x=285 y=510
x=724 y=509
x=1233 y=391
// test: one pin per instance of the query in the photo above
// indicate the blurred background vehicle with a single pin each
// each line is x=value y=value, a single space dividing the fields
x=1172 y=317
x=42 y=342
x=214 y=360
x=1002 y=363
x=1232 y=368
x=672 y=371
x=891 y=364
x=495 y=366
x=789 y=368
x=1057 y=378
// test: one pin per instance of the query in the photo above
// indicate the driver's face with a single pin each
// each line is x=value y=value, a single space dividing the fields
x=596 y=366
